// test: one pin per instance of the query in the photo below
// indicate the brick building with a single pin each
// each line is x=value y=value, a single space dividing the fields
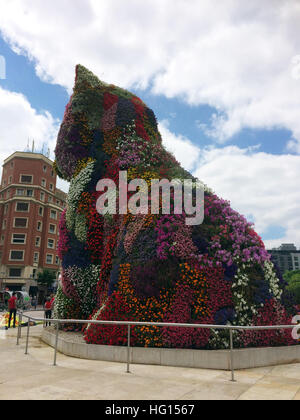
x=30 y=209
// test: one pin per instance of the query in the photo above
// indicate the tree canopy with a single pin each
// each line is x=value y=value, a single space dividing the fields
x=293 y=279
x=46 y=278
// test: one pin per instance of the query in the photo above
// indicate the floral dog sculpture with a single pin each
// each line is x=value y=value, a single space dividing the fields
x=152 y=267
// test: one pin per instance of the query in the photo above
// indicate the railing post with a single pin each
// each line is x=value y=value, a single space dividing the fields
x=128 y=350
x=19 y=327
x=27 y=338
x=56 y=342
x=231 y=356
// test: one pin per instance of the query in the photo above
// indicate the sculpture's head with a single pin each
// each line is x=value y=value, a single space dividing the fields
x=95 y=117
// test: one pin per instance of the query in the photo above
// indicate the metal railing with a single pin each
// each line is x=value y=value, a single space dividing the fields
x=129 y=324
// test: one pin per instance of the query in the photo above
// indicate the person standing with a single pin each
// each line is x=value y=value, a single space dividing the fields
x=34 y=302
x=48 y=311
x=12 y=307
x=52 y=300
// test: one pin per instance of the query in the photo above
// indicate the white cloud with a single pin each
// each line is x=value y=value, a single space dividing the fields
x=238 y=57
x=63 y=185
x=261 y=186
x=296 y=67
x=181 y=147
x=20 y=122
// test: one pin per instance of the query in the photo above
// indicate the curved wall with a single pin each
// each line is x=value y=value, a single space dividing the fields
x=70 y=345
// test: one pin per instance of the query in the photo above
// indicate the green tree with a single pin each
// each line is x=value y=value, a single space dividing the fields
x=46 y=278
x=293 y=279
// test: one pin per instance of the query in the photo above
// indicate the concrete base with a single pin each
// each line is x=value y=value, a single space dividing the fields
x=70 y=345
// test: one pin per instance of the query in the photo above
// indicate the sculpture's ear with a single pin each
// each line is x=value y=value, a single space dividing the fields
x=94 y=110
x=86 y=80
x=82 y=118
x=87 y=99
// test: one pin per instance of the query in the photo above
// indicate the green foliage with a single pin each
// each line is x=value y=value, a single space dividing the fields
x=80 y=227
x=293 y=279
x=291 y=276
x=46 y=278
x=63 y=306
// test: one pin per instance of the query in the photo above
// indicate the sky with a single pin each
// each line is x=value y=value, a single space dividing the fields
x=223 y=79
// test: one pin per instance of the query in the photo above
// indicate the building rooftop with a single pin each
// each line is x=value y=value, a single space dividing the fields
x=286 y=247
x=28 y=155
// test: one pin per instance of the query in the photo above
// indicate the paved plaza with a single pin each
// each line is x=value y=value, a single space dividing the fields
x=33 y=377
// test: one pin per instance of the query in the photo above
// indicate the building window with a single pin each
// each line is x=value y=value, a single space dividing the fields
x=10 y=179
x=50 y=199
x=20 y=192
x=29 y=193
x=16 y=255
x=20 y=222
x=52 y=229
x=5 y=209
x=43 y=183
x=39 y=226
x=57 y=260
x=49 y=259
x=51 y=187
x=18 y=238
x=42 y=196
x=51 y=243
x=36 y=257
x=41 y=211
x=4 y=224
x=22 y=207
x=26 y=179
x=53 y=214
x=45 y=168
x=8 y=194
x=15 y=272
x=2 y=239
x=37 y=242
x=52 y=173
x=11 y=164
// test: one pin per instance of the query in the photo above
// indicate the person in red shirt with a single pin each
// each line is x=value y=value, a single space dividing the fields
x=12 y=307
x=52 y=299
x=48 y=310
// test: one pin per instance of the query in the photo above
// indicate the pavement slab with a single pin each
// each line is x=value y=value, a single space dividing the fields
x=33 y=377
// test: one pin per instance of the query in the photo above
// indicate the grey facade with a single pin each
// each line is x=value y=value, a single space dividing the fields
x=287 y=257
